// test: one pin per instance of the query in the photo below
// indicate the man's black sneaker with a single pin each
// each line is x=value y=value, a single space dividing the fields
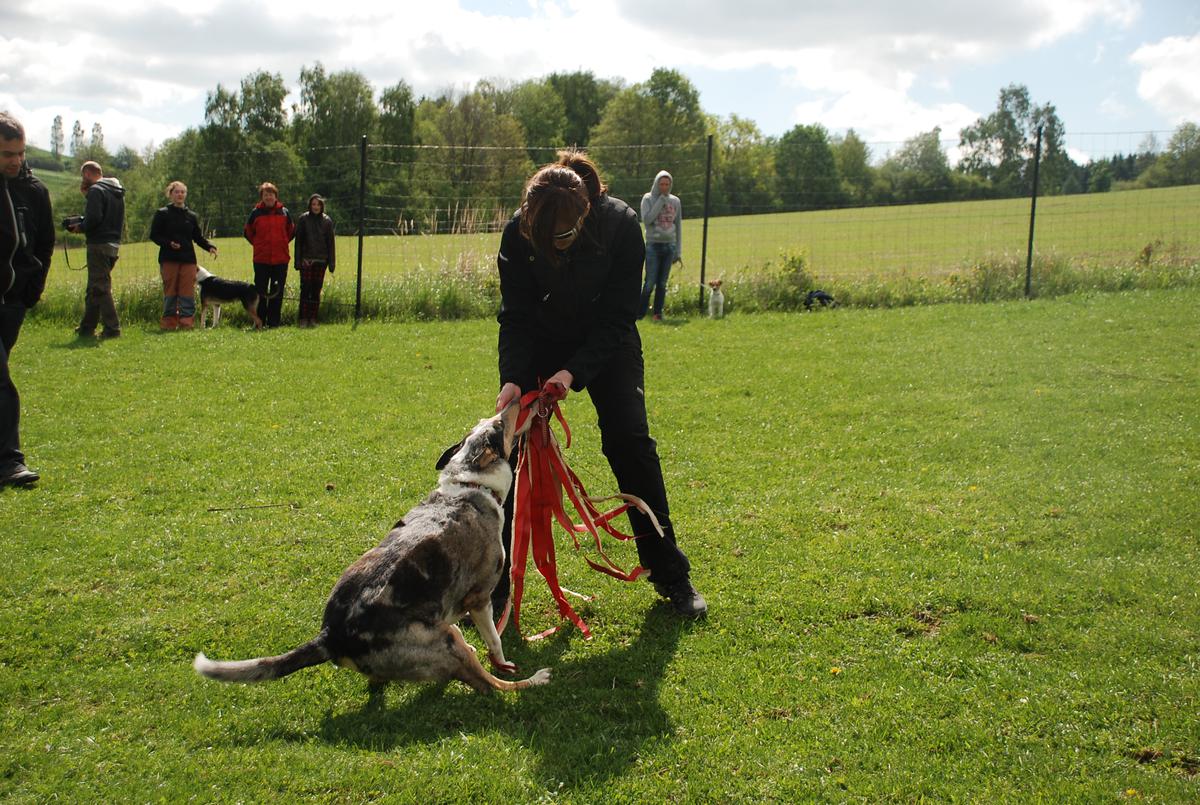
x=18 y=475
x=684 y=598
x=109 y=334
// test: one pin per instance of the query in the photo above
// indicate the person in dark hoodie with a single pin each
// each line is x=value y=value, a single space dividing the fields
x=570 y=266
x=103 y=223
x=270 y=229
x=26 y=246
x=314 y=253
x=175 y=228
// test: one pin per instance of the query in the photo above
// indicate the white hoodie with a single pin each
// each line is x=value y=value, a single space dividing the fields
x=662 y=215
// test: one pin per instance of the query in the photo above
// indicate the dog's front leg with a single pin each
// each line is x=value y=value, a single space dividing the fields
x=482 y=618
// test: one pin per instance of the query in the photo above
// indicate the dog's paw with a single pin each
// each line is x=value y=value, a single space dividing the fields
x=541 y=677
x=502 y=665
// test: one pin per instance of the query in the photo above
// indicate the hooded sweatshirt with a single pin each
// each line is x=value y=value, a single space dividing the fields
x=662 y=215
x=104 y=215
x=314 y=236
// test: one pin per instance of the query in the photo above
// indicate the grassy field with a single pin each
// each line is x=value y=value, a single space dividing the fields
x=924 y=240
x=950 y=554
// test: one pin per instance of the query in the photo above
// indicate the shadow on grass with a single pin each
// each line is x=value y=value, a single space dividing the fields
x=589 y=724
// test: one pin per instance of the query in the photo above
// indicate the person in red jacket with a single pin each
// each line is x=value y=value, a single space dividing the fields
x=269 y=229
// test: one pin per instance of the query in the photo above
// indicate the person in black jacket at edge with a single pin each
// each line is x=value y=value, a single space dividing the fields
x=570 y=266
x=26 y=246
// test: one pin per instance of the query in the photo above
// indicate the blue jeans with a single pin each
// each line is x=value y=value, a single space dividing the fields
x=659 y=257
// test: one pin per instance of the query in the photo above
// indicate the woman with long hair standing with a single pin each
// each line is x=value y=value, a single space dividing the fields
x=314 y=253
x=570 y=266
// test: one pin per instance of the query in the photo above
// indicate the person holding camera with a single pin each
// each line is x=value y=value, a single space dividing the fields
x=103 y=221
x=26 y=246
x=175 y=228
x=270 y=229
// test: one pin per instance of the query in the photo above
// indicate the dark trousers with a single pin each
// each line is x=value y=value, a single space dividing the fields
x=98 y=305
x=312 y=279
x=11 y=317
x=659 y=257
x=269 y=281
x=617 y=393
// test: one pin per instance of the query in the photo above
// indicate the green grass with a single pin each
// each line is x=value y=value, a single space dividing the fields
x=949 y=553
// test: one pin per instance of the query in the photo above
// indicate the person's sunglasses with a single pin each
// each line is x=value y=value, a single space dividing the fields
x=572 y=232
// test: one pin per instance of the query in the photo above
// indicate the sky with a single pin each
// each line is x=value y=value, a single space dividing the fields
x=889 y=69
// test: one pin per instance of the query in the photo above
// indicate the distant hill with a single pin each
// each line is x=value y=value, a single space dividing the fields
x=43 y=159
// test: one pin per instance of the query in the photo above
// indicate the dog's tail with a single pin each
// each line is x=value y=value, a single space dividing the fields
x=264 y=668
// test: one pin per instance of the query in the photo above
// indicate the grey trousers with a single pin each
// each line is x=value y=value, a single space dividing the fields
x=98 y=305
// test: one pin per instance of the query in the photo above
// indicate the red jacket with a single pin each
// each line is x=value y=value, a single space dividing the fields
x=270 y=229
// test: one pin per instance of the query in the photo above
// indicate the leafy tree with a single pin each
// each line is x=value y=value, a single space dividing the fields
x=853 y=160
x=335 y=111
x=744 y=167
x=56 y=137
x=397 y=115
x=584 y=100
x=1000 y=147
x=77 y=141
x=261 y=109
x=1180 y=163
x=468 y=184
x=127 y=159
x=94 y=150
x=542 y=114
x=642 y=129
x=919 y=171
x=240 y=145
x=97 y=141
x=393 y=162
x=806 y=169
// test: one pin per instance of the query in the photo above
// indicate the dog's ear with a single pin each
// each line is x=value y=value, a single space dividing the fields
x=448 y=454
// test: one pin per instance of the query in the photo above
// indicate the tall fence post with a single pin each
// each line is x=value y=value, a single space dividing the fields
x=1037 y=161
x=704 y=238
x=362 y=222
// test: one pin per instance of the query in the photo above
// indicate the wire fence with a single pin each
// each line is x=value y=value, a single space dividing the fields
x=400 y=209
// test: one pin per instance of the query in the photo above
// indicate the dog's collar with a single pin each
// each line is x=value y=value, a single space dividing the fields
x=474 y=485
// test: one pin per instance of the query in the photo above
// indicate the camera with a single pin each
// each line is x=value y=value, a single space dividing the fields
x=72 y=220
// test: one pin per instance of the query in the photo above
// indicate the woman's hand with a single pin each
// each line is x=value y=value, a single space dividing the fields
x=563 y=378
x=213 y=251
x=508 y=393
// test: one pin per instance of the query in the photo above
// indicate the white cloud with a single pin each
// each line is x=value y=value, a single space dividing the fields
x=885 y=117
x=145 y=67
x=1168 y=79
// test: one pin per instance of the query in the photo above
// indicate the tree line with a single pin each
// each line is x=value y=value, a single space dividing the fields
x=456 y=161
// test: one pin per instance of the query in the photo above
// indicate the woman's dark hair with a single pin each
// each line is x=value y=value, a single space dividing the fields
x=548 y=193
x=579 y=162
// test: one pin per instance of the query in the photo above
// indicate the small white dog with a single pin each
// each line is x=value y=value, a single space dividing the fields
x=716 y=300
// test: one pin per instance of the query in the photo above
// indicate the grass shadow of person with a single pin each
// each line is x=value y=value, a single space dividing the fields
x=588 y=724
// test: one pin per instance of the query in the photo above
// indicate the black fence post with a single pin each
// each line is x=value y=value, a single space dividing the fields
x=362 y=218
x=704 y=238
x=1037 y=160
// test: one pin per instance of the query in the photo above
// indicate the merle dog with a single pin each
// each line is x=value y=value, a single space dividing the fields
x=393 y=613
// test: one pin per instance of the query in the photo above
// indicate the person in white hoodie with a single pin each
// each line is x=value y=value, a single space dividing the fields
x=662 y=216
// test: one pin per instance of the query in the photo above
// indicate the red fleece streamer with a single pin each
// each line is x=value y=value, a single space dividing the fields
x=541 y=479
